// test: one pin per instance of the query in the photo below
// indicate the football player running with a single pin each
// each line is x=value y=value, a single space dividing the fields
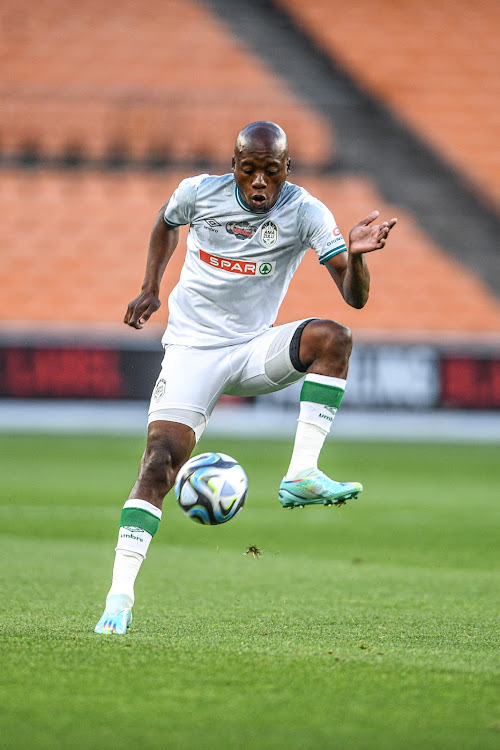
x=248 y=231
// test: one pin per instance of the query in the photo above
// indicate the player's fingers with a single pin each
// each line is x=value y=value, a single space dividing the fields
x=148 y=313
x=132 y=316
x=385 y=227
x=127 y=316
x=133 y=323
x=368 y=220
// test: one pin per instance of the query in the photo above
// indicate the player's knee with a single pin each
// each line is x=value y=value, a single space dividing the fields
x=326 y=344
x=339 y=339
x=332 y=340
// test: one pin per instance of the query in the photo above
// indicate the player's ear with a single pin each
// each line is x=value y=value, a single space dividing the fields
x=233 y=163
x=288 y=164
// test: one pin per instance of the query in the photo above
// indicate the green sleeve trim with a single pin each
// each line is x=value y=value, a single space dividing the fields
x=329 y=255
x=140 y=518
x=171 y=223
x=318 y=393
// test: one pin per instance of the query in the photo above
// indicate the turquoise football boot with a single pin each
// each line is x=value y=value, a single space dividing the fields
x=313 y=487
x=114 y=621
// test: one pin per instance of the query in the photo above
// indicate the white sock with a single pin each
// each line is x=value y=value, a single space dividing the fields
x=321 y=396
x=138 y=524
x=125 y=571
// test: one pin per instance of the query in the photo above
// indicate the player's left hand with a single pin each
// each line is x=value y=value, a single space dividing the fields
x=366 y=237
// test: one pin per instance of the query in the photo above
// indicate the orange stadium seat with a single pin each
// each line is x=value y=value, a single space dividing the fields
x=94 y=78
x=434 y=64
x=74 y=249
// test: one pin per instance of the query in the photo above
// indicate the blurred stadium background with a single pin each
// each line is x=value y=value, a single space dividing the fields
x=388 y=105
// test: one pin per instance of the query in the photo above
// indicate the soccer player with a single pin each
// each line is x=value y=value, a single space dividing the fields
x=249 y=230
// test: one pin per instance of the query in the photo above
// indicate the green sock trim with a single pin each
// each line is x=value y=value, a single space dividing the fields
x=319 y=393
x=141 y=519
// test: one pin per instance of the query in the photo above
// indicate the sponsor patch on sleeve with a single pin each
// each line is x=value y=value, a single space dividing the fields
x=337 y=238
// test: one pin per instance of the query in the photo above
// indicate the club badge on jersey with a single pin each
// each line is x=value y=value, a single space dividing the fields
x=269 y=234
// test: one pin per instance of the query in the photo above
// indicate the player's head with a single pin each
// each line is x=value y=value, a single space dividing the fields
x=261 y=164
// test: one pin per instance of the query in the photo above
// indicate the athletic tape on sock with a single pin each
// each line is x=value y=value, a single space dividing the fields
x=320 y=398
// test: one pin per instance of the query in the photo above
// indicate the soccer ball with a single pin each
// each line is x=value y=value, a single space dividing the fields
x=211 y=488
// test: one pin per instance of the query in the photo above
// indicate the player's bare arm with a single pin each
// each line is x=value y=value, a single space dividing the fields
x=162 y=243
x=350 y=270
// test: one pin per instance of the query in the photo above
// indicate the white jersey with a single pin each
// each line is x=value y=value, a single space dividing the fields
x=239 y=263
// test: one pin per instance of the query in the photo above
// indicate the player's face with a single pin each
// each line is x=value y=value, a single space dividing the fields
x=260 y=174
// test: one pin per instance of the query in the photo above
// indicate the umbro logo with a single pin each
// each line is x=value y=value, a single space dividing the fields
x=212 y=223
x=326 y=416
x=133 y=529
x=131 y=536
x=332 y=409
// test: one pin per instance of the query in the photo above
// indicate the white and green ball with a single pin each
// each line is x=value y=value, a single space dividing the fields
x=211 y=488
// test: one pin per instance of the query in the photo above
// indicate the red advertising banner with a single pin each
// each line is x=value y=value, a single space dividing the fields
x=381 y=375
x=470 y=382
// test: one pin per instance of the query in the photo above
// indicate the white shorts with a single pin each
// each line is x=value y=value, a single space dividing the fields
x=192 y=379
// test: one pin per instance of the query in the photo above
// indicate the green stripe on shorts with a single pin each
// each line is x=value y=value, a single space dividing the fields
x=319 y=393
x=141 y=519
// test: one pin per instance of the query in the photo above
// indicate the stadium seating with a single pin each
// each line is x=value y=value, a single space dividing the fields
x=74 y=247
x=434 y=64
x=111 y=81
x=417 y=289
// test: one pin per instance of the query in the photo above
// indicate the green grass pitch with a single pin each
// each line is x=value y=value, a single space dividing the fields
x=370 y=626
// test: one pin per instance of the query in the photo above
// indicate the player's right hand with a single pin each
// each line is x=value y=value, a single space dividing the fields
x=141 y=308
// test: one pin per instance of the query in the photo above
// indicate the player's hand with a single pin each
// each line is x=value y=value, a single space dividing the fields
x=366 y=237
x=141 y=308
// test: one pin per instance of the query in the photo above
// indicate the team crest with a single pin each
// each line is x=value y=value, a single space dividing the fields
x=268 y=234
x=159 y=390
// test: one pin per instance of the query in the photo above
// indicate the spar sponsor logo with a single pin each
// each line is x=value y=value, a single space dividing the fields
x=238 y=265
x=242 y=230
